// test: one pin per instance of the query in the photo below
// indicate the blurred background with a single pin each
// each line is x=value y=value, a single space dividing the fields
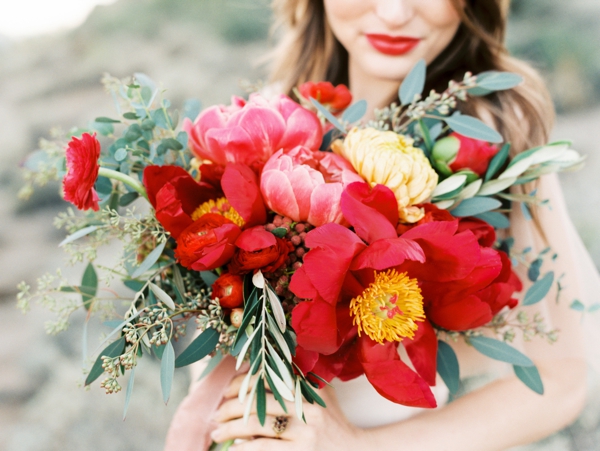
x=52 y=57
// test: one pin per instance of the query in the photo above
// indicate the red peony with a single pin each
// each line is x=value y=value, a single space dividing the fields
x=176 y=196
x=363 y=300
x=207 y=243
x=229 y=289
x=82 y=171
x=259 y=249
x=337 y=98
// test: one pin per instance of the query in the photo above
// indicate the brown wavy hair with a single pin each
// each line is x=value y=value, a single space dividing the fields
x=308 y=51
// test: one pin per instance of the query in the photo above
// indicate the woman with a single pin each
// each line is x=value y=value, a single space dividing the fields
x=371 y=45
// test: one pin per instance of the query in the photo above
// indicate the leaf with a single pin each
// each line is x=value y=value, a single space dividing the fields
x=298 y=400
x=112 y=350
x=150 y=260
x=191 y=108
x=413 y=84
x=495 y=186
x=530 y=377
x=473 y=128
x=261 y=401
x=276 y=308
x=248 y=408
x=258 y=280
x=577 y=305
x=330 y=117
x=534 y=269
x=208 y=277
x=274 y=329
x=279 y=232
x=539 y=290
x=162 y=296
x=79 y=234
x=471 y=189
x=212 y=364
x=499 y=350
x=526 y=212
x=172 y=143
x=249 y=314
x=106 y=120
x=355 y=112
x=244 y=350
x=452 y=183
x=475 y=206
x=313 y=394
x=495 y=219
x=283 y=370
x=283 y=390
x=447 y=366
x=89 y=285
x=129 y=392
x=497 y=162
x=498 y=81
x=120 y=154
x=126 y=199
x=203 y=344
x=167 y=371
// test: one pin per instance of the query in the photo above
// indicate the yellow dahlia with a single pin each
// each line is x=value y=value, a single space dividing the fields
x=390 y=159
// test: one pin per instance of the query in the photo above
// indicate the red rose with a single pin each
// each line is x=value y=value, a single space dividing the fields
x=259 y=249
x=457 y=152
x=82 y=171
x=337 y=98
x=207 y=243
x=229 y=289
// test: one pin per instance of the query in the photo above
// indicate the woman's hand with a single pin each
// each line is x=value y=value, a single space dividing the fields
x=325 y=428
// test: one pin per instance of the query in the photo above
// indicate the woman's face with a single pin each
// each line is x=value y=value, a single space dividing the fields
x=385 y=38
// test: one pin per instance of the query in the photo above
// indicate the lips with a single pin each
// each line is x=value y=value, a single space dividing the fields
x=392 y=45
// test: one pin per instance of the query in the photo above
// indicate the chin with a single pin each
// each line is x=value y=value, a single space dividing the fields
x=389 y=67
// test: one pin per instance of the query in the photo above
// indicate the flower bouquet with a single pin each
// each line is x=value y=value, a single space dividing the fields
x=300 y=239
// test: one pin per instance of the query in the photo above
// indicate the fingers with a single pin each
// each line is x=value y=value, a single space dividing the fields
x=234 y=388
x=232 y=409
x=238 y=428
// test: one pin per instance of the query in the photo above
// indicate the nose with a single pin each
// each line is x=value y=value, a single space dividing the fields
x=395 y=13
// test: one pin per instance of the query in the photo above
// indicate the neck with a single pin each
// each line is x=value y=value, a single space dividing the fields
x=376 y=91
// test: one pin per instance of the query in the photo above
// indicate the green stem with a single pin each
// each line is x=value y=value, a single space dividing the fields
x=127 y=180
x=226 y=445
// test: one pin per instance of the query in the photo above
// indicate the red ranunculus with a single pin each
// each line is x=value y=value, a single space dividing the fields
x=337 y=98
x=229 y=289
x=207 y=243
x=82 y=171
x=259 y=249
x=461 y=284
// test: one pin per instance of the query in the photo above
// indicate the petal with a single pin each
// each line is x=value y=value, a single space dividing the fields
x=422 y=351
x=301 y=285
x=460 y=313
x=368 y=211
x=325 y=204
x=279 y=194
x=315 y=324
x=332 y=248
x=392 y=378
x=240 y=186
x=384 y=254
x=255 y=239
x=169 y=211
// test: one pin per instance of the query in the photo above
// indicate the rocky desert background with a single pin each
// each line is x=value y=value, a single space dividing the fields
x=203 y=49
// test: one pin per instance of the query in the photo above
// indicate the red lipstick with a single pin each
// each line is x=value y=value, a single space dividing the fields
x=392 y=45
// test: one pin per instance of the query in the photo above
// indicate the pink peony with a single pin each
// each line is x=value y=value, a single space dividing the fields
x=82 y=171
x=307 y=185
x=250 y=132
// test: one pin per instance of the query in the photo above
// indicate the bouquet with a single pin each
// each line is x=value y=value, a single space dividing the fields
x=300 y=239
